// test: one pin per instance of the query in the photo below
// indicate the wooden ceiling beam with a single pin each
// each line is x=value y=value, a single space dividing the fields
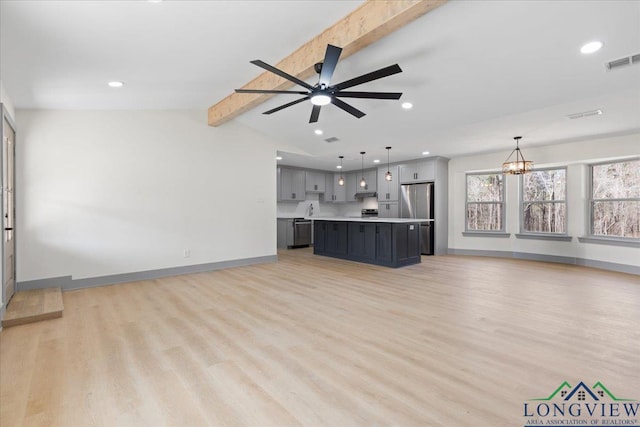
x=370 y=22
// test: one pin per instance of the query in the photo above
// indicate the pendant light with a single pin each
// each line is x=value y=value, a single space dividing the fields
x=363 y=182
x=341 y=178
x=519 y=165
x=387 y=176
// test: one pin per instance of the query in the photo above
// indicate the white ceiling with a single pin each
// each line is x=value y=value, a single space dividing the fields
x=478 y=72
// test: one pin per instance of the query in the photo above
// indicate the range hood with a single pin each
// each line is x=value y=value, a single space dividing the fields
x=362 y=195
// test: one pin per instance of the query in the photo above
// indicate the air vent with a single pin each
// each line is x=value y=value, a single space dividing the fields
x=332 y=139
x=628 y=60
x=585 y=114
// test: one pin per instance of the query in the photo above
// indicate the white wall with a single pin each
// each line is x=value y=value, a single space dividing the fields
x=575 y=155
x=110 y=192
x=5 y=99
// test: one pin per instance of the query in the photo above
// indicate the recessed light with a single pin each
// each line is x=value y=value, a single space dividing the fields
x=318 y=132
x=376 y=161
x=338 y=167
x=425 y=153
x=115 y=84
x=407 y=105
x=591 y=47
x=278 y=157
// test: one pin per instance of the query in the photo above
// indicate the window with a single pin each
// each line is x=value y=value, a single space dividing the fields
x=544 y=206
x=615 y=199
x=485 y=202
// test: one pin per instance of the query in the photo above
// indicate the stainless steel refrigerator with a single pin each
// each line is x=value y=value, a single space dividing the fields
x=416 y=201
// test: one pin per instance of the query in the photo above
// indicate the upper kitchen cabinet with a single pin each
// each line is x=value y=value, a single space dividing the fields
x=315 y=182
x=334 y=192
x=329 y=190
x=418 y=171
x=291 y=184
x=388 y=190
x=353 y=182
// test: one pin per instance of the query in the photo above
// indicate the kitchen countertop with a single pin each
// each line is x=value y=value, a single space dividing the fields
x=368 y=219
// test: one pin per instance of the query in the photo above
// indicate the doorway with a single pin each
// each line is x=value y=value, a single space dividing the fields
x=8 y=207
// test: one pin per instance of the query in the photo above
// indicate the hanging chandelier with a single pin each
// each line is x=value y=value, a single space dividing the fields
x=518 y=165
x=363 y=182
x=387 y=176
x=341 y=178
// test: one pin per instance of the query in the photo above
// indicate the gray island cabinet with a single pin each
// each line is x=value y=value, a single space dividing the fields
x=389 y=242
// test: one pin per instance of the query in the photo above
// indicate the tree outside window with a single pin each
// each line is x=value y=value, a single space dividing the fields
x=485 y=202
x=544 y=207
x=615 y=199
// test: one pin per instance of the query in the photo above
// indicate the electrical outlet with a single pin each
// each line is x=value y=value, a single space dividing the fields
x=187 y=253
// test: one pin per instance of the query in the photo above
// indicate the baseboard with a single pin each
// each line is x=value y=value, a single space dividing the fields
x=67 y=283
x=604 y=265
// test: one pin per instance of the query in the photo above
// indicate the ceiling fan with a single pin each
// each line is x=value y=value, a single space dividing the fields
x=322 y=93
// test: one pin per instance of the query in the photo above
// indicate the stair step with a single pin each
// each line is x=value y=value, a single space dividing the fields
x=33 y=306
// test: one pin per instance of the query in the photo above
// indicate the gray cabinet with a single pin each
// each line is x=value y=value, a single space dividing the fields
x=320 y=236
x=314 y=182
x=384 y=244
x=336 y=238
x=388 y=190
x=292 y=184
x=380 y=243
x=388 y=210
x=362 y=241
x=339 y=191
x=329 y=190
x=353 y=182
x=407 y=238
x=418 y=171
x=334 y=192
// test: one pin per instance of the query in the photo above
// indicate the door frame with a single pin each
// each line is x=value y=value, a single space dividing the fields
x=4 y=114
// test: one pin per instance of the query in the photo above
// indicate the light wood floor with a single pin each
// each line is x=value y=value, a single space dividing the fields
x=33 y=306
x=313 y=341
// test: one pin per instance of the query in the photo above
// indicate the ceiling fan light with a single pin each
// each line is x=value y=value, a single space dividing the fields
x=320 y=99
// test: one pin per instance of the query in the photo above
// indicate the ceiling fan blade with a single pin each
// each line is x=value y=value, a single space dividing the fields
x=346 y=107
x=374 y=95
x=329 y=64
x=374 y=75
x=269 y=91
x=288 y=104
x=281 y=73
x=315 y=113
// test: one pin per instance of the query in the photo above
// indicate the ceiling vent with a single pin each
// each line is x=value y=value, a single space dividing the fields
x=628 y=60
x=585 y=114
x=332 y=139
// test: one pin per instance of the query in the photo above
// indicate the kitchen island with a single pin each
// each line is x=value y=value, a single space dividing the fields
x=390 y=242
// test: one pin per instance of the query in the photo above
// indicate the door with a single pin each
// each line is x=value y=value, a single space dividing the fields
x=8 y=210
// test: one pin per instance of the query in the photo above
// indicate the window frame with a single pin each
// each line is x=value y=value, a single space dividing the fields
x=590 y=237
x=503 y=226
x=543 y=234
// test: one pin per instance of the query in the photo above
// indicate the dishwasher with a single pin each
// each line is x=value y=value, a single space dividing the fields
x=298 y=233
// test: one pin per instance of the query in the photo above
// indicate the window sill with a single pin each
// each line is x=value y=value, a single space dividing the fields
x=613 y=241
x=486 y=234
x=545 y=236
